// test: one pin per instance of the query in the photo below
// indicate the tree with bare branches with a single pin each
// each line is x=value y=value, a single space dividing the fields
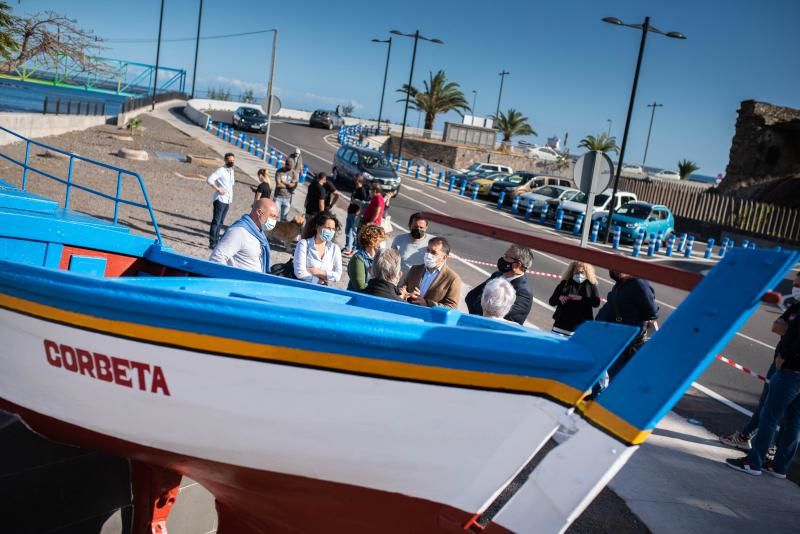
x=51 y=38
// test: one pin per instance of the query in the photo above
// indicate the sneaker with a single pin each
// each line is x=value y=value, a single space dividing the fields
x=771 y=454
x=743 y=465
x=736 y=440
x=769 y=468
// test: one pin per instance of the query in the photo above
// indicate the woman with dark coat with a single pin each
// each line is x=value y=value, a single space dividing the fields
x=574 y=298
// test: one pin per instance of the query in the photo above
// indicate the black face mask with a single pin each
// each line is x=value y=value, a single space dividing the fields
x=416 y=233
x=504 y=266
x=229 y=164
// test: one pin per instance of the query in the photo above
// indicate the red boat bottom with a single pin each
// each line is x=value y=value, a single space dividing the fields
x=252 y=501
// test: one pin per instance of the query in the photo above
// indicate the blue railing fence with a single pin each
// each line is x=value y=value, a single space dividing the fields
x=75 y=163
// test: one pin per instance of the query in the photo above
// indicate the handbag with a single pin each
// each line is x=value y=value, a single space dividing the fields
x=386 y=224
x=283 y=269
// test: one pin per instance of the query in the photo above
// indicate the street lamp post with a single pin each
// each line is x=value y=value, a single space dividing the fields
x=269 y=87
x=608 y=133
x=502 y=75
x=416 y=36
x=474 y=101
x=654 y=105
x=158 y=58
x=197 y=45
x=645 y=29
x=385 y=74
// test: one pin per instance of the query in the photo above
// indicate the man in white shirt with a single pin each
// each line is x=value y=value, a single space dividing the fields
x=412 y=246
x=244 y=244
x=221 y=181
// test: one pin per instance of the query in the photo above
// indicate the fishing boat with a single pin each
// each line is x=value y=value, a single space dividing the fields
x=312 y=409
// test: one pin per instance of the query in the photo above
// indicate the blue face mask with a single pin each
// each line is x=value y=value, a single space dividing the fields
x=327 y=234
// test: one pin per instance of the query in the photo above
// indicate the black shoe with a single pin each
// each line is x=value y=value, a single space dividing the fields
x=742 y=465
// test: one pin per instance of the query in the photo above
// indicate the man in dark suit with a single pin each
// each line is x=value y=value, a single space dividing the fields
x=511 y=266
x=434 y=283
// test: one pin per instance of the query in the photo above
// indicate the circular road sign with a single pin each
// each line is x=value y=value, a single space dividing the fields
x=593 y=172
x=276 y=104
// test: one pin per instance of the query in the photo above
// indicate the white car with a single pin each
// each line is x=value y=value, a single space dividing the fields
x=543 y=153
x=541 y=195
x=632 y=170
x=667 y=175
x=487 y=168
x=602 y=202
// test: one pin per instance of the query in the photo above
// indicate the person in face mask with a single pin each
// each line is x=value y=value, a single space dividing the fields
x=221 y=181
x=412 y=245
x=433 y=283
x=244 y=244
x=575 y=298
x=511 y=266
x=317 y=259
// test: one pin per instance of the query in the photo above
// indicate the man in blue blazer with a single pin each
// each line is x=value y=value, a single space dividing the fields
x=512 y=266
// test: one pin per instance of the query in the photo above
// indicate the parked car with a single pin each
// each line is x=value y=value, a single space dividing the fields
x=541 y=195
x=543 y=153
x=635 y=217
x=667 y=175
x=602 y=203
x=250 y=119
x=538 y=181
x=635 y=171
x=489 y=167
x=371 y=164
x=486 y=182
x=326 y=119
x=525 y=182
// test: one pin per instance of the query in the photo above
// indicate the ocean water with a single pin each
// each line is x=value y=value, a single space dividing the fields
x=22 y=96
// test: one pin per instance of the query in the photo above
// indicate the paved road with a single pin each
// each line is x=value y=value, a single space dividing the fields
x=752 y=346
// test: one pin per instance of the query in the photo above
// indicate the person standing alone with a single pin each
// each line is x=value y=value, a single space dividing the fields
x=221 y=181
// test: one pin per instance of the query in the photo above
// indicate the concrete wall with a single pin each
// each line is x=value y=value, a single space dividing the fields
x=34 y=125
x=122 y=118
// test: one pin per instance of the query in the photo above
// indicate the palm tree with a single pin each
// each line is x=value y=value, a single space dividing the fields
x=7 y=42
x=512 y=123
x=440 y=96
x=601 y=143
x=686 y=168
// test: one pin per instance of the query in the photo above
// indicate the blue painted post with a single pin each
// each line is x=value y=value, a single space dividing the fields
x=428 y=176
x=753 y=245
x=439 y=180
x=709 y=248
x=475 y=191
x=576 y=229
x=209 y=125
x=398 y=164
x=746 y=243
x=637 y=246
x=617 y=237
x=722 y=247
x=416 y=174
x=257 y=148
x=651 y=246
x=219 y=131
x=240 y=142
x=595 y=231
x=682 y=246
x=501 y=200
x=529 y=209
x=659 y=237
x=559 y=218
x=670 y=245
x=543 y=214
x=251 y=146
x=777 y=248
x=272 y=157
x=303 y=176
x=391 y=157
x=463 y=188
x=280 y=161
x=452 y=182
x=515 y=205
x=689 y=244
x=408 y=168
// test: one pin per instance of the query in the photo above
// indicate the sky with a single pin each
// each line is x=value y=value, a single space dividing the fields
x=570 y=72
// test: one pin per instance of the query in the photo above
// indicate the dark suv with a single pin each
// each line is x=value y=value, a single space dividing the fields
x=326 y=119
x=251 y=119
x=372 y=165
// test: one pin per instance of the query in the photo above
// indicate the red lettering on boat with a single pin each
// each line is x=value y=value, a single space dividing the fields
x=98 y=366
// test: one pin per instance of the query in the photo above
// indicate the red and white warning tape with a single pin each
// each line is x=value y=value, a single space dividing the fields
x=481 y=262
x=742 y=368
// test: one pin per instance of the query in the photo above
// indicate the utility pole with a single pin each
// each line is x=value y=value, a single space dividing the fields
x=269 y=87
x=654 y=105
x=502 y=75
x=197 y=46
x=158 y=57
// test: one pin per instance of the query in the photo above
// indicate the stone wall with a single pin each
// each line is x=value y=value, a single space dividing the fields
x=457 y=156
x=764 y=161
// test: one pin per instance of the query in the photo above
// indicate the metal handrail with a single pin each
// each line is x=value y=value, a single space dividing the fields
x=70 y=184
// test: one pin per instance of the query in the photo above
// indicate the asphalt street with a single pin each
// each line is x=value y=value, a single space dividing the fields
x=752 y=346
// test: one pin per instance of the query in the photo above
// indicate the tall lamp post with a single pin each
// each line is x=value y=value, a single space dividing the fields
x=269 y=87
x=385 y=74
x=645 y=28
x=608 y=133
x=502 y=75
x=158 y=58
x=416 y=36
x=474 y=101
x=654 y=105
x=197 y=45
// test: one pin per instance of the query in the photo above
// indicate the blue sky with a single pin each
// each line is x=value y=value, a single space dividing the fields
x=569 y=71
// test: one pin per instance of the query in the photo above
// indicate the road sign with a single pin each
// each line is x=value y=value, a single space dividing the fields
x=276 y=104
x=593 y=172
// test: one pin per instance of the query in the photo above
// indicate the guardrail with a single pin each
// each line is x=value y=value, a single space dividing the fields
x=136 y=103
x=69 y=182
x=65 y=106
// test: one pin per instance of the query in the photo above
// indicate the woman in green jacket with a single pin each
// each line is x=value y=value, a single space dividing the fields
x=360 y=268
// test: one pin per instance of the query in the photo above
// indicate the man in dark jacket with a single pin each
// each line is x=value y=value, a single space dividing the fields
x=512 y=266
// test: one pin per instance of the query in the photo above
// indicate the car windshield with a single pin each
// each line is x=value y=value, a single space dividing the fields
x=637 y=211
x=474 y=167
x=599 y=200
x=251 y=113
x=372 y=161
x=515 y=179
x=547 y=191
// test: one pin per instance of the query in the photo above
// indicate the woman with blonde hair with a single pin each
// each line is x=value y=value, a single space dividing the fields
x=370 y=236
x=574 y=298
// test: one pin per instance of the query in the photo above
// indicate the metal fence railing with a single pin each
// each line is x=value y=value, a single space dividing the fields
x=68 y=106
x=136 y=103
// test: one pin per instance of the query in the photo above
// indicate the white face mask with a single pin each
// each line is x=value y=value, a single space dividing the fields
x=580 y=278
x=796 y=293
x=430 y=261
x=269 y=224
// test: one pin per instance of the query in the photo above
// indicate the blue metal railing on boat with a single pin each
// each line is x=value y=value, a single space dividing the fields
x=70 y=183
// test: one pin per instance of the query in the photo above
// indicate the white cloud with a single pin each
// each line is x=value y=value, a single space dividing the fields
x=256 y=87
